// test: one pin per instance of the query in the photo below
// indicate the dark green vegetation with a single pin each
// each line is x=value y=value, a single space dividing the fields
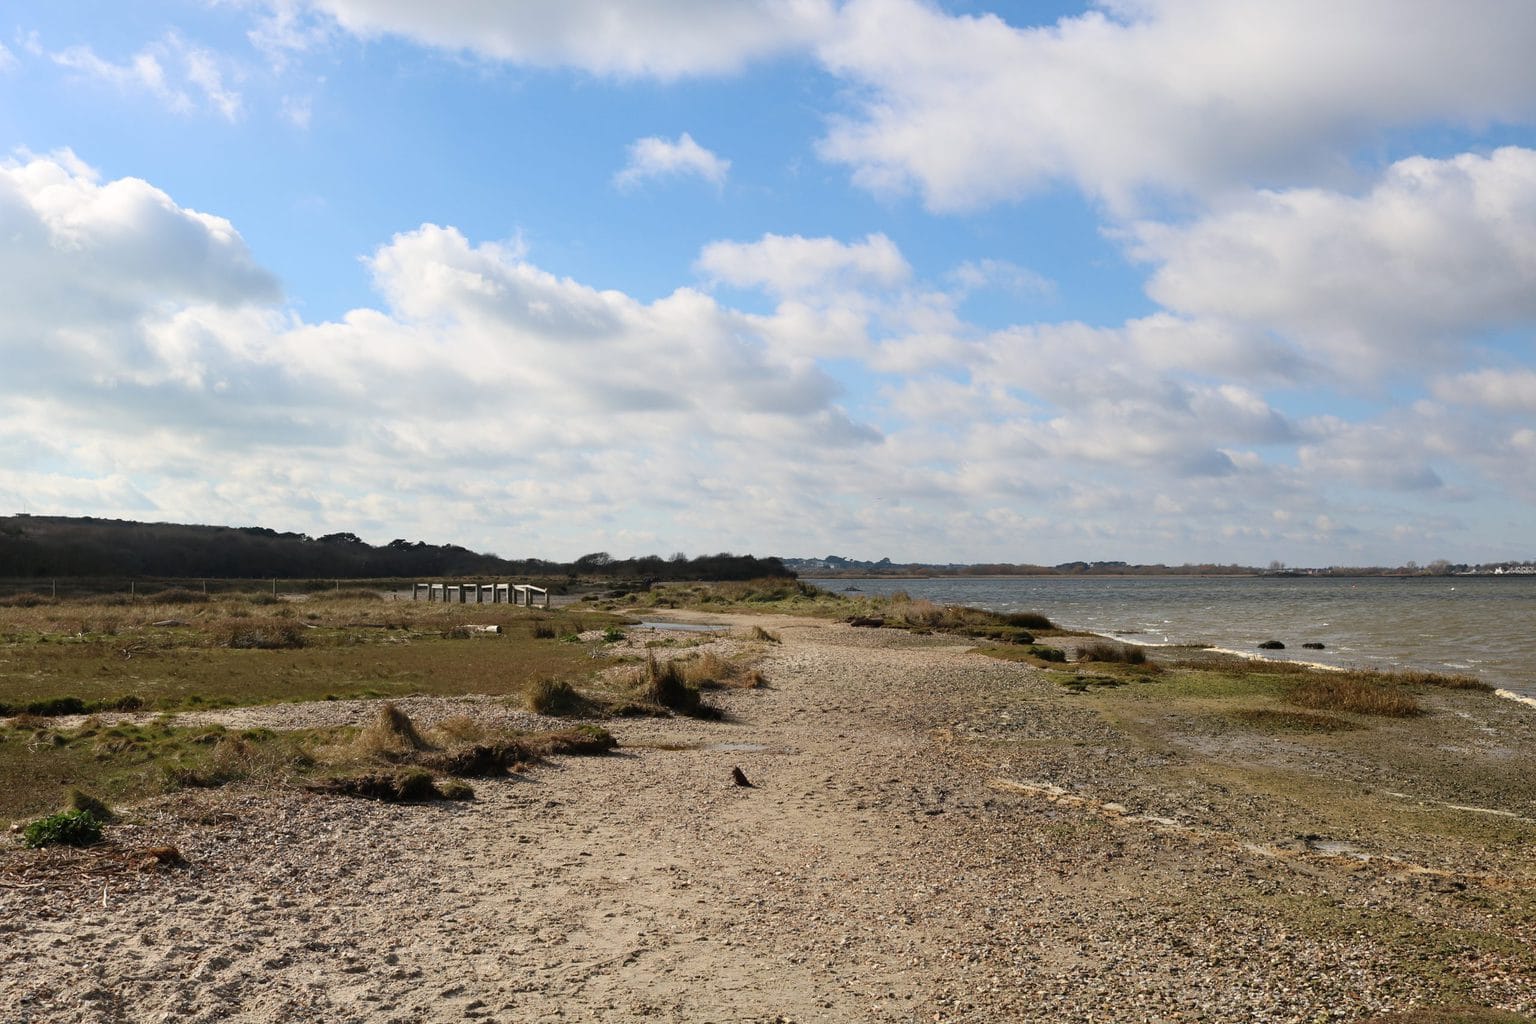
x=66 y=828
x=46 y=547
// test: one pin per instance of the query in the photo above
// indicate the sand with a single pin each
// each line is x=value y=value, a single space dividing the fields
x=930 y=835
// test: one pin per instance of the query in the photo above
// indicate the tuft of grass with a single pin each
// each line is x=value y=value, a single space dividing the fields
x=583 y=740
x=710 y=671
x=557 y=698
x=1347 y=693
x=759 y=633
x=67 y=828
x=1106 y=650
x=455 y=789
x=545 y=629
x=665 y=685
x=1028 y=620
x=232 y=759
x=391 y=735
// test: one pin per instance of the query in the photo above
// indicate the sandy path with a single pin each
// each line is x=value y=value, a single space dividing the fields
x=876 y=872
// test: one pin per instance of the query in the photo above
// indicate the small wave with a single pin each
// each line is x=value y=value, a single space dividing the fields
x=1519 y=698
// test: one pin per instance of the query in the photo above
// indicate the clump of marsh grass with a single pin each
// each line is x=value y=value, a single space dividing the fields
x=391 y=735
x=1344 y=692
x=664 y=685
x=1105 y=650
x=759 y=633
x=557 y=698
x=708 y=670
x=265 y=636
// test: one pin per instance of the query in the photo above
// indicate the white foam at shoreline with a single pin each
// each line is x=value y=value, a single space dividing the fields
x=1518 y=698
x=1241 y=654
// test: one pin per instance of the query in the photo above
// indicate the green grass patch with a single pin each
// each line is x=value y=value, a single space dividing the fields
x=66 y=828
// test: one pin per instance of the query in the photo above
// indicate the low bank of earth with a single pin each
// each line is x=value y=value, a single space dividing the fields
x=931 y=834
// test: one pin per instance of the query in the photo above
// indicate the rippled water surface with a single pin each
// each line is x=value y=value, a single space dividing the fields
x=1484 y=626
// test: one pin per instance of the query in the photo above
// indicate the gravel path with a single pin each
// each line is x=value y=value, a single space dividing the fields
x=898 y=858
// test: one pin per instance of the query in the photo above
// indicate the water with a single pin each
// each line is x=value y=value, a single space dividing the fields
x=1483 y=626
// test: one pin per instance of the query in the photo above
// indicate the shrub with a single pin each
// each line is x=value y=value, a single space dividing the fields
x=1053 y=654
x=1028 y=620
x=544 y=629
x=68 y=828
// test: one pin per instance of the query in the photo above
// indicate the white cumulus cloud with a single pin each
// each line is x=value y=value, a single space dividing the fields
x=1432 y=255
x=1189 y=96
x=791 y=265
x=663 y=39
x=654 y=157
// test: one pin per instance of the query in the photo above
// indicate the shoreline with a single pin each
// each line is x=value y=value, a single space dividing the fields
x=1425 y=630
x=930 y=834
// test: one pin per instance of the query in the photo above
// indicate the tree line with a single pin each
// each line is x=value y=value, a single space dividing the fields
x=39 y=547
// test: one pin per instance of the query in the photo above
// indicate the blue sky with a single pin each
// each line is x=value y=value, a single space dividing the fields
x=1151 y=280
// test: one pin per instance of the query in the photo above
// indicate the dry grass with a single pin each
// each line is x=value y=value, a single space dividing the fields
x=759 y=633
x=557 y=698
x=1345 y=693
x=708 y=670
x=391 y=735
x=660 y=688
x=1108 y=650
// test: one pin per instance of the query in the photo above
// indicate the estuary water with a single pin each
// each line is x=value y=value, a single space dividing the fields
x=1474 y=625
